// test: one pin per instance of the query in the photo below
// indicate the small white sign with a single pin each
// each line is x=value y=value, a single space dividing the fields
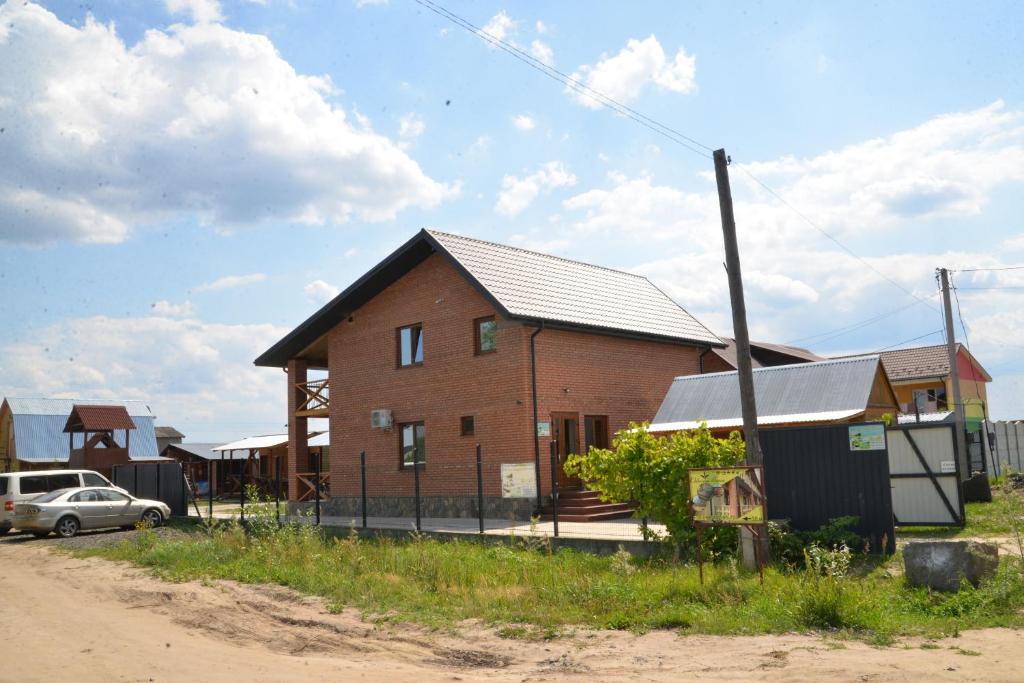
x=543 y=428
x=947 y=466
x=518 y=480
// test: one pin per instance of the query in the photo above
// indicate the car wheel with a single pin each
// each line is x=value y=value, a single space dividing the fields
x=67 y=527
x=40 y=534
x=153 y=518
x=4 y=530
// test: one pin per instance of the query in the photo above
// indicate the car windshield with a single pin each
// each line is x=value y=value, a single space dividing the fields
x=50 y=497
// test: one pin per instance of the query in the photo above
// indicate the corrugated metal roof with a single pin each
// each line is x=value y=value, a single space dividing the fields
x=93 y=418
x=805 y=389
x=63 y=406
x=207 y=452
x=41 y=438
x=254 y=442
x=321 y=439
x=542 y=287
x=726 y=423
x=168 y=433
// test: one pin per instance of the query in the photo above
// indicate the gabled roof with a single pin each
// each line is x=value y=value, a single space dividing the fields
x=805 y=392
x=521 y=285
x=203 y=450
x=38 y=425
x=757 y=349
x=922 y=362
x=93 y=418
x=168 y=433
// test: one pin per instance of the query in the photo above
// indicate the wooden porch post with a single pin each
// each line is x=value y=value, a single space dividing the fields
x=298 y=430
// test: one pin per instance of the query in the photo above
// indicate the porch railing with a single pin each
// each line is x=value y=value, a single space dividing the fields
x=317 y=399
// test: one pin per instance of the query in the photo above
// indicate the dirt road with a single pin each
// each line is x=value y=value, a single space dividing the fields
x=63 y=619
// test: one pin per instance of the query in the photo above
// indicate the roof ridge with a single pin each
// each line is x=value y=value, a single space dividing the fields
x=816 y=363
x=536 y=253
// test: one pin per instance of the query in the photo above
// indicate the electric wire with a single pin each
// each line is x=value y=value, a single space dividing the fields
x=840 y=331
x=979 y=270
x=907 y=341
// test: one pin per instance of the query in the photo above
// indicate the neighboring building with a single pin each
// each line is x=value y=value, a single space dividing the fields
x=165 y=436
x=921 y=378
x=824 y=392
x=32 y=432
x=445 y=344
x=762 y=355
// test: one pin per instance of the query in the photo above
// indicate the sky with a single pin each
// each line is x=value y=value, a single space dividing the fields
x=183 y=182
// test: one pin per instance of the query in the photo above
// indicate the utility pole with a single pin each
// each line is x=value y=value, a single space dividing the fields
x=744 y=367
x=954 y=377
x=739 y=312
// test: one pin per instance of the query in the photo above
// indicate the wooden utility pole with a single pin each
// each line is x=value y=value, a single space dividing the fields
x=954 y=377
x=739 y=312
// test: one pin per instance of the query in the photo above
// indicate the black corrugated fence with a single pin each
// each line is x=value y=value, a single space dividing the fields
x=163 y=481
x=815 y=474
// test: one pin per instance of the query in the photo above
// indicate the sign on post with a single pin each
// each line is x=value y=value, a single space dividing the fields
x=518 y=480
x=728 y=496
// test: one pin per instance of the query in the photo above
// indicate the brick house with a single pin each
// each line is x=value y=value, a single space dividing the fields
x=762 y=355
x=450 y=342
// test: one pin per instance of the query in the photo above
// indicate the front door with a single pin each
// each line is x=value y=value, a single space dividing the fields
x=567 y=438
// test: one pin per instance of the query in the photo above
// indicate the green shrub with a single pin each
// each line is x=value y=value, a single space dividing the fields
x=652 y=473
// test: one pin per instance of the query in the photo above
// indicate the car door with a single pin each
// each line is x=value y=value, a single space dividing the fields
x=121 y=508
x=92 y=509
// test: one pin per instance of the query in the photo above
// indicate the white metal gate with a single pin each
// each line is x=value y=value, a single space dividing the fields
x=924 y=472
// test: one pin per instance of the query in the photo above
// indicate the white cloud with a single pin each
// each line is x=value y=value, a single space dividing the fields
x=201 y=11
x=500 y=26
x=320 y=292
x=524 y=122
x=182 y=368
x=541 y=27
x=166 y=309
x=351 y=252
x=365 y=3
x=518 y=193
x=542 y=52
x=198 y=119
x=411 y=126
x=231 y=281
x=641 y=63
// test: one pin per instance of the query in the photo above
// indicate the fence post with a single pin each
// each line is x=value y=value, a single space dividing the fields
x=277 y=490
x=159 y=493
x=416 y=480
x=209 y=488
x=316 y=479
x=554 y=485
x=362 y=471
x=479 y=488
x=241 y=496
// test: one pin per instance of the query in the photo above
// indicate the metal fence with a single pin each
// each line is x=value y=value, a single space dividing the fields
x=472 y=494
x=163 y=481
x=1005 y=446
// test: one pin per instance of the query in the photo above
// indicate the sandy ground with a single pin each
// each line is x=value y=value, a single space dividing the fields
x=64 y=619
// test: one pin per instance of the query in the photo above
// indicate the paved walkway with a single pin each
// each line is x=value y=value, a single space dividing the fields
x=620 y=529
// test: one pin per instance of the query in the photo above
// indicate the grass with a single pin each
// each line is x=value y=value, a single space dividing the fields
x=983 y=519
x=534 y=593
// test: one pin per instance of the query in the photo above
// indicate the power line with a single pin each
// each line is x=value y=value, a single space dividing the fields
x=666 y=131
x=989 y=289
x=979 y=270
x=660 y=128
x=840 y=331
x=907 y=341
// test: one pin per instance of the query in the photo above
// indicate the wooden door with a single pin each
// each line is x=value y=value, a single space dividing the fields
x=567 y=438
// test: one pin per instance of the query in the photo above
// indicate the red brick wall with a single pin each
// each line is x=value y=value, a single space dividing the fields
x=623 y=379
x=620 y=378
x=451 y=382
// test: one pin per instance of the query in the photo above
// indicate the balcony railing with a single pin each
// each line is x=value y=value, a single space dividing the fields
x=317 y=399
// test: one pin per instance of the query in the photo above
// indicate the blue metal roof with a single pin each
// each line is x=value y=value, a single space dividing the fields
x=39 y=428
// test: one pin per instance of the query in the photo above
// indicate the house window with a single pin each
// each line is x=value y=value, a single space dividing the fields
x=930 y=400
x=466 y=426
x=486 y=334
x=413 y=443
x=410 y=345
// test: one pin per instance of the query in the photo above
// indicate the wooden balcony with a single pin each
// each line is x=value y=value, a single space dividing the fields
x=317 y=399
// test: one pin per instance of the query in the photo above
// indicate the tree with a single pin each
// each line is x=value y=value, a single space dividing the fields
x=652 y=473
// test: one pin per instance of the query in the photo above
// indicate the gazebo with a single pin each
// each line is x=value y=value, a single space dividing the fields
x=100 y=449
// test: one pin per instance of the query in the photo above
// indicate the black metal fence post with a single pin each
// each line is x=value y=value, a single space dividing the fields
x=362 y=474
x=416 y=479
x=480 y=488
x=554 y=486
x=316 y=479
x=277 y=490
x=241 y=496
x=209 y=489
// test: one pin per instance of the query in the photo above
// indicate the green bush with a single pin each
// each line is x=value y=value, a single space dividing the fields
x=652 y=473
x=788 y=546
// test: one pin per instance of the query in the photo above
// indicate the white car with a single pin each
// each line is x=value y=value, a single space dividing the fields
x=68 y=511
x=20 y=486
